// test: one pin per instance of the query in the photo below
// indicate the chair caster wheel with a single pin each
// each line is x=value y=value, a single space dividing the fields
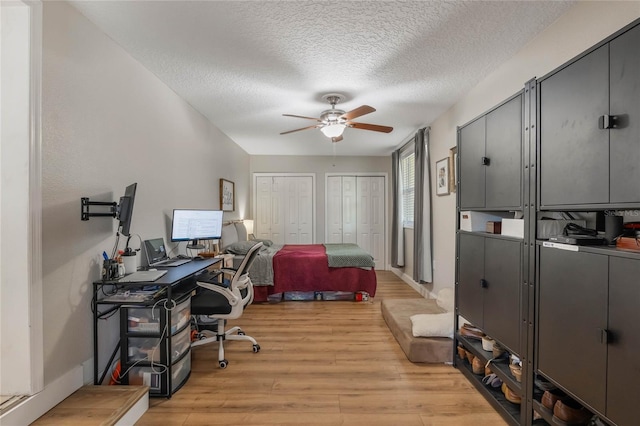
x=256 y=348
x=223 y=363
x=241 y=333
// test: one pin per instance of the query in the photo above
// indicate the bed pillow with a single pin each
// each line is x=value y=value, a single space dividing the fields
x=432 y=325
x=229 y=236
x=266 y=243
x=240 y=247
x=242 y=231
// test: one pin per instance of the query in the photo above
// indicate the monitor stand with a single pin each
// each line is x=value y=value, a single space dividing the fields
x=194 y=245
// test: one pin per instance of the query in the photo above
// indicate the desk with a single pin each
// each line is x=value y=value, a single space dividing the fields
x=164 y=318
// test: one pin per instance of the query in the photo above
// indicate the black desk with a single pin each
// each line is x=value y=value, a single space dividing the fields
x=178 y=283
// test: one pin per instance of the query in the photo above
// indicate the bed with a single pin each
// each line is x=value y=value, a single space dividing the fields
x=290 y=268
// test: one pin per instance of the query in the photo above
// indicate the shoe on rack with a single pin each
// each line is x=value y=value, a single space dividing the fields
x=569 y=412
x=510 y=394
x=477 y=366
x=550 y=397
x=471 y=332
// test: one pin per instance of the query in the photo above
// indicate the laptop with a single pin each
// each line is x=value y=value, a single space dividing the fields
x=142 y=276
x=157 y=254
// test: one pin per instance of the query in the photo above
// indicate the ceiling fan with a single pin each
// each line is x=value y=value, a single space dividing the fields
x=332 y=122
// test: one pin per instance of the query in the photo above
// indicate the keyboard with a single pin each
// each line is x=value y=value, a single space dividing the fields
x=172 y=262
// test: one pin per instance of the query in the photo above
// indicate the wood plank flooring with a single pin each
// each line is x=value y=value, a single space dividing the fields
x=321 y=363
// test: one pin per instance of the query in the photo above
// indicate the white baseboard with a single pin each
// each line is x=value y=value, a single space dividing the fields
x=36 y=405
x=414 y=285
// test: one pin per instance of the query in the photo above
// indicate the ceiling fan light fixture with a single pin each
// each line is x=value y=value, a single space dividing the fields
x=333 y=130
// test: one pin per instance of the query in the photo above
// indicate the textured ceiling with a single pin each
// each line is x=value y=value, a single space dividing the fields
x=245 y=63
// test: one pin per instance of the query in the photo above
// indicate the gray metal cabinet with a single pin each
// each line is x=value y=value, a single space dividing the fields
x=489 y=286
x=490 y=151
x=623 y=369
x=576 y=167
x=624 y=73
x=572 y=319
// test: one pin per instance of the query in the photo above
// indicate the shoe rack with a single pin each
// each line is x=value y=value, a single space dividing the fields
x=568 y=313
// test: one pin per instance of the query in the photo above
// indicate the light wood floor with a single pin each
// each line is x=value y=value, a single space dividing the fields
x=321 y=363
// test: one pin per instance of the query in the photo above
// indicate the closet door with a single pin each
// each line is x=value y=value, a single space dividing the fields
x=370 y=214
x=268 y=223
x=304 y=208
x=341 y=209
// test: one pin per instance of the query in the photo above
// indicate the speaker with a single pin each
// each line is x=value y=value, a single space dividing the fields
x=612 y=228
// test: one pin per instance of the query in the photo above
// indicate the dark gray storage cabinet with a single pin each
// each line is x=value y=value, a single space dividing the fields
x=490 y=151
x=572 y=317
x=489 y=286
x=590 y=127
x=623 y=368
x=588 y=328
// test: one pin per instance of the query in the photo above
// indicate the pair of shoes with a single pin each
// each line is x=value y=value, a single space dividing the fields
x=477 y=366
x=492 y=380
x=461 y=352
x=498 y=350
x=510 y=394
x=487 y=343
x=550 y=397
x=516 y=371
x=569 y=412
x=467 y=330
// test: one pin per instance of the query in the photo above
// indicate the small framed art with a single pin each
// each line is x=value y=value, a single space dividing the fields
x=442 y=176
x=227 y=195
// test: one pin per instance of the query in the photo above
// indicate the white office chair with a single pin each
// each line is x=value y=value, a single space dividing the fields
x=226 y=300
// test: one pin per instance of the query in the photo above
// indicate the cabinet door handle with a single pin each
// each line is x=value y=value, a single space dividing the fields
x=486 y=161
x=603 y=336
x=484 y=283
x=607 y=121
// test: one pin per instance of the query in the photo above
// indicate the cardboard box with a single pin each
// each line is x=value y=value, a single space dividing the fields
x=494 y=227
x=476 y=221
x=513 y=228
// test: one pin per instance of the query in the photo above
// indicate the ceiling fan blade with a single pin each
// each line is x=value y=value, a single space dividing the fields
x=301 y=116
x=358 y=112
x=336 y=139
x=303 y=128
x=374 y=127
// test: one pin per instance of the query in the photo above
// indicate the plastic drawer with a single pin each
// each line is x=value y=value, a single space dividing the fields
x=147 y=348
x=180 y=315
x=180 y=372
x=148 y=376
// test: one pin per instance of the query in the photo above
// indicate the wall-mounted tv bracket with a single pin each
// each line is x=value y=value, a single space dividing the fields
x=85 y=204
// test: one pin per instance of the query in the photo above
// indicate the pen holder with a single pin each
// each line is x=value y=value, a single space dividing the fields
x=110 y=270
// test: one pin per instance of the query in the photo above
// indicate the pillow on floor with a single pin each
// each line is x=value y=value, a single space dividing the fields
x=432 y=325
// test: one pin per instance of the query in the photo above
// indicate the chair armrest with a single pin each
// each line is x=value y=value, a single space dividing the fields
x=222 y=289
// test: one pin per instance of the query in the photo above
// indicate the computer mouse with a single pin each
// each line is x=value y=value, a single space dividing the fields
x=198 y=258
x=152 y=269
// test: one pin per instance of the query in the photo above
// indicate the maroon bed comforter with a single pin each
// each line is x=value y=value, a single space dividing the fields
x=305 y=268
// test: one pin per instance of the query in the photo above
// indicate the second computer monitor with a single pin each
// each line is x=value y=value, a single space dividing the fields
x=194 y=225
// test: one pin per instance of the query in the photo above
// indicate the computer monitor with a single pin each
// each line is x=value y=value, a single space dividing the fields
x=125 y=209
x=194 y=225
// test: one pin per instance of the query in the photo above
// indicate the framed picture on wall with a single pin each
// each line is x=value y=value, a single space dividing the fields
x=442 y=176
x=227 y=196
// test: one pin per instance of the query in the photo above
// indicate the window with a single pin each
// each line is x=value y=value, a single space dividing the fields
x=407 y=175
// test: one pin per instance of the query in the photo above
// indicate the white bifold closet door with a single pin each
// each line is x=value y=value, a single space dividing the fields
x=284 y=209
x=356 y=213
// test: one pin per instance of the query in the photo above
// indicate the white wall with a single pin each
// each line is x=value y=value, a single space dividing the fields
x=320 y=166
x=584 y=25
x=109 y=122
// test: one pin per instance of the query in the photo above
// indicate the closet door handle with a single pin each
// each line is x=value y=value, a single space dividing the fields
x=484 y=283
x=486 y=161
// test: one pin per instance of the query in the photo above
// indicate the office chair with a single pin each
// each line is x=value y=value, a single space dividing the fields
x=226 y=300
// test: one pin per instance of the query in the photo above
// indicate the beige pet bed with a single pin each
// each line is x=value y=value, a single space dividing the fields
x=397 y=314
